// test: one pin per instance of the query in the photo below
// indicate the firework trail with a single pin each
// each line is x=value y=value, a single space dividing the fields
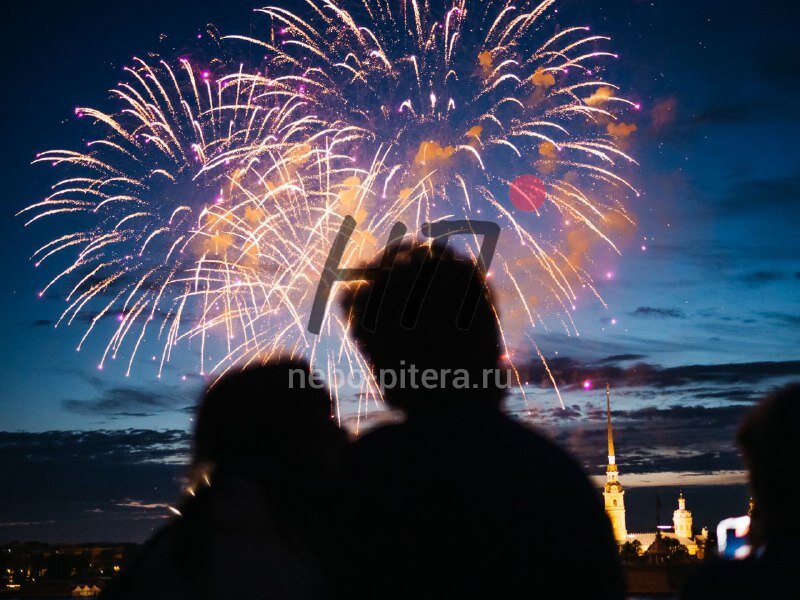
x=208 y=206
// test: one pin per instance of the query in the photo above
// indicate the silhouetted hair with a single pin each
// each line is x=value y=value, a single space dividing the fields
x=771 y=446
x=249 y=421
x=432 y=310
x=252 y=425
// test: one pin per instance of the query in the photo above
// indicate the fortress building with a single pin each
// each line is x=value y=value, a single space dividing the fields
x=614 y=499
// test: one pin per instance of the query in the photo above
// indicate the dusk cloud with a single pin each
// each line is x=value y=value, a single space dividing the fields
x=79 y=485
x=118 y=401
x=129 y=401
x=779 y=193
x=616 y=358
x=664 y=313
x=765 y=276
x=572 y=373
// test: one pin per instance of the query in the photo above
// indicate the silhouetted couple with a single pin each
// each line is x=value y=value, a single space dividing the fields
x=456 y=501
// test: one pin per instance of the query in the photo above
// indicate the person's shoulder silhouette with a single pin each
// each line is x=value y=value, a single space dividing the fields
x=771 y=450
x=265 y=471
x=459 y=498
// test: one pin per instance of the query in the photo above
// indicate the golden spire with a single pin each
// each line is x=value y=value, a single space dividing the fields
x=611 y=458
x=613 y=494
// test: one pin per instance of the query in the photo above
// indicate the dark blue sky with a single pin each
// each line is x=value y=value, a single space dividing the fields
x=716 y=285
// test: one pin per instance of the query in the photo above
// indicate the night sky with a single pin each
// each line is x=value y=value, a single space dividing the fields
x=703 y=303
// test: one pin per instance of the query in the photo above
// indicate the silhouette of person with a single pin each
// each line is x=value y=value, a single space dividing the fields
x=460 y=499
x=266 y=460
x=771 y=450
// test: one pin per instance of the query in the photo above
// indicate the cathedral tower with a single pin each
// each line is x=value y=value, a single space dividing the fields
x=613 y=494
x=682 y=519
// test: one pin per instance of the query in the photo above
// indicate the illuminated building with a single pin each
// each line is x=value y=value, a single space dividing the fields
x=614 y=497
x=613 y=494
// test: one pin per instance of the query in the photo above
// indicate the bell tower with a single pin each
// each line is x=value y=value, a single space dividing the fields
x=613 y=494
x=682 y=519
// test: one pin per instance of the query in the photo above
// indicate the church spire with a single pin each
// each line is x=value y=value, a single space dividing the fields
x=611 y=458
x=613 y=493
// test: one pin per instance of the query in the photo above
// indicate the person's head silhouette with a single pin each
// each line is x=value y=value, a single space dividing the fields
x=771 y=447
x=267 y=421
x=430 y=313
x=264 y=479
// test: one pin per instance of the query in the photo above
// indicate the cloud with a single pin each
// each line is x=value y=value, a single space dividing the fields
x=78 y=485
x=681 y=435
x=657 y=439
x=789 y=319
x=571 y=373
x=655 y=445
x=617 y=358
x=588 y=348
x=661 y=313
x=746 y=395
x=764 y=276
x=129 y=446
x=118 y=401
x=24 y=523
x=568 y=412
x=720 y=373
x=725 y=113
x=679 y=413
x=128 y=503
x=764 y=195
x=129 y=401
x=720 y=112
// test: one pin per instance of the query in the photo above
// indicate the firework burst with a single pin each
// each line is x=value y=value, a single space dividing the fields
x=207 y=207
x=139 y=197
x=480 y=113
